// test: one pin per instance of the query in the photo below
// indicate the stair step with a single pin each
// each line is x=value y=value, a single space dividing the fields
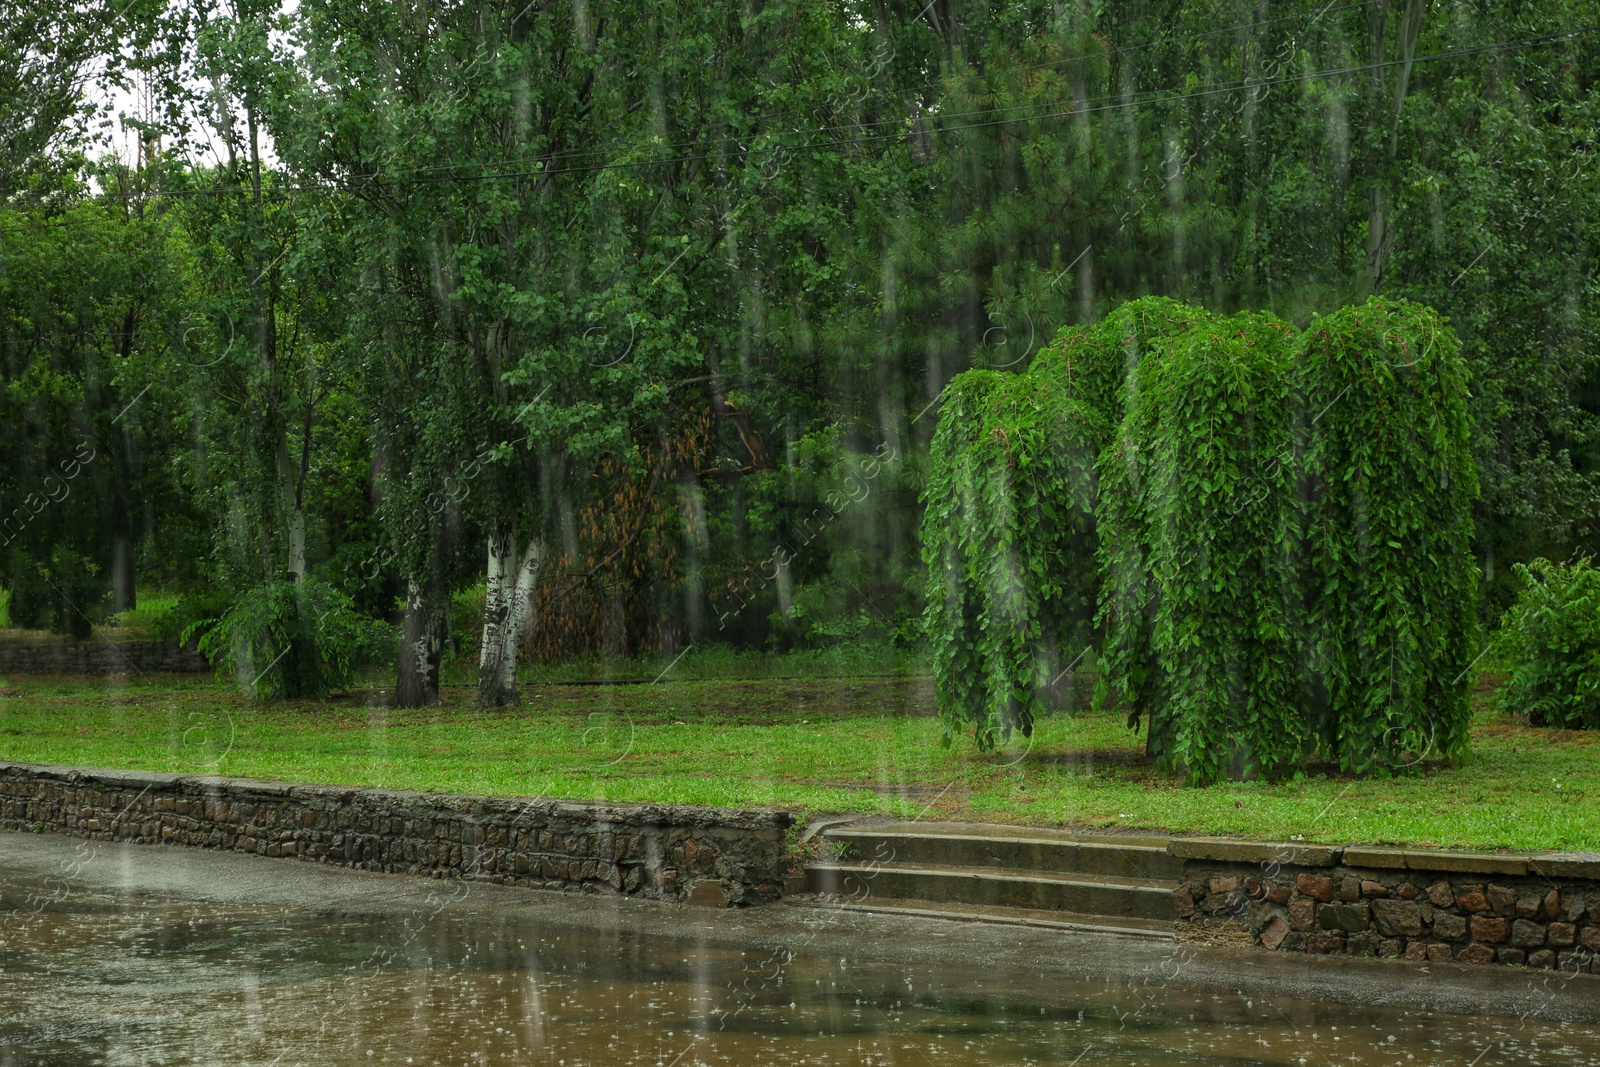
x=1102 y=895
x=966 y=845
x=1157 y=929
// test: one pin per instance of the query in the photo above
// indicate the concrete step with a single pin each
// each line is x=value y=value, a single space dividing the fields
x=990 y=887
x=1020 y=849
x=1157 y=929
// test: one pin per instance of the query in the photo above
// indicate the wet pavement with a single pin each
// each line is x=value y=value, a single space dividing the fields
x=122 y=954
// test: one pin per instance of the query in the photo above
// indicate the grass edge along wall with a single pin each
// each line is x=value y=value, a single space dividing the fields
x=1280 y=554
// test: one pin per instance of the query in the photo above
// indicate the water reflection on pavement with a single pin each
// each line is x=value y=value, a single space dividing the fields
x=105 y=970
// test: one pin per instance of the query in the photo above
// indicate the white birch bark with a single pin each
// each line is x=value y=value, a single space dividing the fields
x=508 y=616
x=496 y=602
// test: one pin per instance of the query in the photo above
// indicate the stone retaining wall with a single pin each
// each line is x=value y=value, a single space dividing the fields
x=101 y=657
x=699 y=855
x=1535 y=910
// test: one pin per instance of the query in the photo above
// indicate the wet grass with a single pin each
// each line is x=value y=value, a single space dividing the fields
x=859 y=742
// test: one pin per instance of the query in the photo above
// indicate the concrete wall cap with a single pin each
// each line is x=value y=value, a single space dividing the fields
x=1565 y=864
x=111 y=776
x=1424 y=859
x=1233 y=850
x=1392 y=859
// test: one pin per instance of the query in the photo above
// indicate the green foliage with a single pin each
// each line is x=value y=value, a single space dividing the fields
x=1008 y=539
x=190 y=612
x=1101 y=365
x=1392 y=585
x=1549 y=645
x=1196 y=529
x=65 y=594
x=286 y=641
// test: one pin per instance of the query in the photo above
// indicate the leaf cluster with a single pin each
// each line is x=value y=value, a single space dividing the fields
x=1549 y=645
x=285 y=640
x=1008 y=538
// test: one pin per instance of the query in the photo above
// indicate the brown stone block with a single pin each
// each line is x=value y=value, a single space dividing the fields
x=1490 y=929
x=1502 y=901
x=1274 y=932
x=1563 y=935
x=1302 y=914
x=1391 y=947
x=1325 y=945
x=1471 y=898
x=1441 y=894
x=1552 y=905
x=1530 y=902
x=1278 y=893
x=709 y=893
x=1350 y=889
x=1591 y=938
x=1416 y=951
x=1476 y=953
x=1374 y=890
x=1524 y=933
x=1397 y=918
x=1440 y=953
x=1349 y=918
x=1317 y=886
x=1543 y=959
x=1448 y=926
x=1183 y=902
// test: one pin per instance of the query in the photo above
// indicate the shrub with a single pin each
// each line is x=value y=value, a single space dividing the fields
x=191 y=612
x=1391 y=580
x=1196 y=535
x=1008 y=539
x=65 y=593
x=290 y=641
x=1549 y=646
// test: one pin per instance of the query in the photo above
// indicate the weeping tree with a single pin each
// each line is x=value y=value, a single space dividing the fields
x=1196 y=525
x=1008 y=538
x=1108 y=363
x=1391 y=580
x=1272 y=508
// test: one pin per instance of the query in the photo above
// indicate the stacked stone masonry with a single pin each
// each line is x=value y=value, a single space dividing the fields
x=699 y=855
x=1540 y=911
x=102 y=658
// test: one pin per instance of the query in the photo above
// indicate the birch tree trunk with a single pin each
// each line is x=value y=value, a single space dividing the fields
x=507 y=615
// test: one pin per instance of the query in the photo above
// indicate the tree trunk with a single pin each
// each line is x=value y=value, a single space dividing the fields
x=297 y=545
x=1380 y=230
x=507 y=615
x=123 y=597
x=421 y=646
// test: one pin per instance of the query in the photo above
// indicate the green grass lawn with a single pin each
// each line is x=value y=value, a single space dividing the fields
x=853 y=743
